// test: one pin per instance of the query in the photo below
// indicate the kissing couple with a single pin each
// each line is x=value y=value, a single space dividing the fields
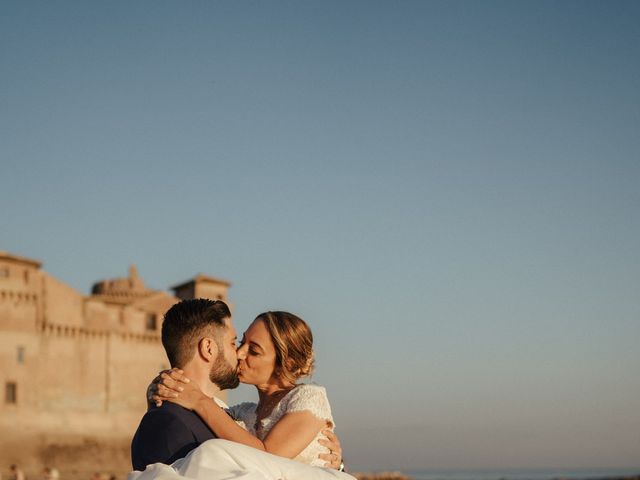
x=188 y=433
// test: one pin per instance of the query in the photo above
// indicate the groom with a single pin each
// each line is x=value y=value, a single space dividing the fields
x=199 y=338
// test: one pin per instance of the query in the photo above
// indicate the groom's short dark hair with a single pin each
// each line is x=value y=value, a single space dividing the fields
x=186 y=323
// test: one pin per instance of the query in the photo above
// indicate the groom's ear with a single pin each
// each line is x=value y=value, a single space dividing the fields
x=207 y=349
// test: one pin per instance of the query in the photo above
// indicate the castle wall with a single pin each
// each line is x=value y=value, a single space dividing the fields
x=78 y=393
x=78 y=366
x=133 y=364
x=72 y=375
x=63 y=305
x=135 y=321
x=101 y=316
x=18 y=353
x=84 y=372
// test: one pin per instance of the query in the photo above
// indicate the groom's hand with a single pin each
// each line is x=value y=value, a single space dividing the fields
x=334 y=457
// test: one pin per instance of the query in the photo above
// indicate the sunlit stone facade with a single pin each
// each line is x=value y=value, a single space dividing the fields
x=74 y=367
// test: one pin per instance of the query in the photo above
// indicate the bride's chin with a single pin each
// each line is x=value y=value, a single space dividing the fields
x=244 y=380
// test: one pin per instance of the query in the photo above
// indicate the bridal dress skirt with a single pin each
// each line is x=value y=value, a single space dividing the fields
x=224 y=460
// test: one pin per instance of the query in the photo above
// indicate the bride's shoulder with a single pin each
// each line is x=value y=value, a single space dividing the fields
x=309 y=389
x=310 y=397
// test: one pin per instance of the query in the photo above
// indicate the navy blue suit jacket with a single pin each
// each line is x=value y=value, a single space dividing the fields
x=167 y=433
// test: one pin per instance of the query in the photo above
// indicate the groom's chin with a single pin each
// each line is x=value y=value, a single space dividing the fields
x=235 y=382
x=227 y=386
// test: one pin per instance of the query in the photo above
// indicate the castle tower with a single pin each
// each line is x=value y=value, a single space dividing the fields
x=203 y=286
x=20 y=299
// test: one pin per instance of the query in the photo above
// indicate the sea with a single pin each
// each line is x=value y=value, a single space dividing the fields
x=538 y=474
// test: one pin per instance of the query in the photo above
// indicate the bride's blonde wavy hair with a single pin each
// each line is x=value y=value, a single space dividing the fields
x=293 y=341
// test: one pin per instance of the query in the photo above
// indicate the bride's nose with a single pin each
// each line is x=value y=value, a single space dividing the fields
x=241 y=352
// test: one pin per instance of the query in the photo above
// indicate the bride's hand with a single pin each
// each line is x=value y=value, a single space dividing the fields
x=177 y=388
x=168 y=384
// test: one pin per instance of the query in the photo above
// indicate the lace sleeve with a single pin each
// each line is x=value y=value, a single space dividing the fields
x=312 y=398
x=242 y=411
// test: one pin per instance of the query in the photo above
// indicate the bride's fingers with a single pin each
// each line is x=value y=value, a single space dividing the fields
x=158 y=379
x=331 y=442
x=164 y=392
x=168 y=381
x=178 y=375
x=332 y=460
x=174 y=374
x=331 y=436
x=333 y=448
x=326 y=443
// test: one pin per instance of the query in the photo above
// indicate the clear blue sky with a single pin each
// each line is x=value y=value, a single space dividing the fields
x=449 y=192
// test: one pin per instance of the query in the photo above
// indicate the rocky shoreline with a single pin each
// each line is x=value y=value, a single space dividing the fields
x=380 y=476
x=402 y=476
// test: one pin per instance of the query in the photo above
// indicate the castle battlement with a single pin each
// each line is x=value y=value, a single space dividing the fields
x=61 y=331
x=17 y=296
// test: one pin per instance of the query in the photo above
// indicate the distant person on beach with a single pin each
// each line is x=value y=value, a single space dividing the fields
x=49 y=473
x=199 y=337
x=15 y=473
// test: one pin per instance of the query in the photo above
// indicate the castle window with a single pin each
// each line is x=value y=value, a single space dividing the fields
x=152 y=321
x=11 y=393
x=4 y=272
x=20 y=356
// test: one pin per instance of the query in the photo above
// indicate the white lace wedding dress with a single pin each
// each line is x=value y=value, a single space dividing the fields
x=312 y=398
x=224 y=460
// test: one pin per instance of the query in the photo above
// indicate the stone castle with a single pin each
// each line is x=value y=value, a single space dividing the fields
x=74 y=367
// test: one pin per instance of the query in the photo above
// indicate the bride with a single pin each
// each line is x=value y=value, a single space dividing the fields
x=276 y=351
